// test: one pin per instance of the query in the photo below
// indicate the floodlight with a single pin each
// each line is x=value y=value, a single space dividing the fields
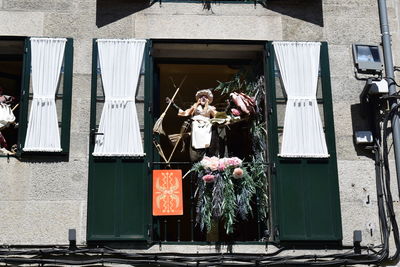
x=367 y=59
x=363 y=137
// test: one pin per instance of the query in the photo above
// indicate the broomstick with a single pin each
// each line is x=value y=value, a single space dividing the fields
x=158 y=125
x=184 y=128
x=159 y=149
x=15 y=107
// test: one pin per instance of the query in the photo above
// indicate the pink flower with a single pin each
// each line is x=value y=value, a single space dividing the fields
x=234 y=162
x=237 y=161
x=237 y=173
x=235 y=112
x=208 y=178
x=205 y=162
x=221 y=165
x=214 y=163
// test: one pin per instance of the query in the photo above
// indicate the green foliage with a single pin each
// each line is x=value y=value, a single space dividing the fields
x=227 y=197
x=257 y=169
x=245 y=82
x=229 y=204
x=218 y=196
x=248 y=189
x=204 y=207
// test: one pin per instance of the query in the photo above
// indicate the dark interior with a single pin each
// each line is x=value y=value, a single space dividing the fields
x=11 y=59
x=200 y=74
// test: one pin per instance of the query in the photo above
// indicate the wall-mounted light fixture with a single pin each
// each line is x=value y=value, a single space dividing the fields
x=367 y=59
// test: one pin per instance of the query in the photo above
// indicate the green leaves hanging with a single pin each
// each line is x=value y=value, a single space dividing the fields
x=226 y=187
x=224 y=190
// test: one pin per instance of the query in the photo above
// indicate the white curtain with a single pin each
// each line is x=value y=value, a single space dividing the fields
x=47 y=57
x=303 y=135
x=120 y=63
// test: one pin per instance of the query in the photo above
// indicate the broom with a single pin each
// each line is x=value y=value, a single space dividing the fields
x=158 y=125
x=184 y=128
x=15 y=107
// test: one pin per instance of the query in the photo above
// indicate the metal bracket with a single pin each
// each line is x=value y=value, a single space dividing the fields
x=93 y=133
x=273 y=167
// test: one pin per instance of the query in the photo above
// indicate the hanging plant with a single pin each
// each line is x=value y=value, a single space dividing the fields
x=247 y=86
x=224 y=189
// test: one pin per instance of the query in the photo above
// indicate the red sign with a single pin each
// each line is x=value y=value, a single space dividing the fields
x=167 y=192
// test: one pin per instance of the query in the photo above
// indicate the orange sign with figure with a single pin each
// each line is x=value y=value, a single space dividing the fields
x=167 y=192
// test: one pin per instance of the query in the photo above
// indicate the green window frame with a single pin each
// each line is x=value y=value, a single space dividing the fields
x=64 y=97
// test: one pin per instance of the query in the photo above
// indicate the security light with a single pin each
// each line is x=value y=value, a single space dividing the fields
x=367 y=59
x=363 y=137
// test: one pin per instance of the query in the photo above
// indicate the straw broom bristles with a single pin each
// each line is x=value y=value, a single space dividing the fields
x=157 y=128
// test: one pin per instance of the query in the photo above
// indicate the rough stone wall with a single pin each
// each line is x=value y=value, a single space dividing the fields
x=40 y=201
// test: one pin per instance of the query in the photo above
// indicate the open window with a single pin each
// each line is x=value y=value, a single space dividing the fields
x=304 y=190
x=223 y=69
x=11 y=70
x=37 y=93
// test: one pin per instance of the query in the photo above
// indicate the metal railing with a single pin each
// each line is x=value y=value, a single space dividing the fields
x=184 y=228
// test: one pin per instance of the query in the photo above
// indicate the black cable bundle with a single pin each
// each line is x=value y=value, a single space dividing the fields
x=386 y=188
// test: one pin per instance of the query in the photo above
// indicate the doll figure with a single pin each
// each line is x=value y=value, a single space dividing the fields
x=202 y=141
x=6 y=115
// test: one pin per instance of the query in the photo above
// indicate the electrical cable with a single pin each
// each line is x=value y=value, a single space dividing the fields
x=180 y=259
x=389 y=200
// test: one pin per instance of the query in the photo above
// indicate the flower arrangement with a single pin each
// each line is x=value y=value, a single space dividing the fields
x=225 y=190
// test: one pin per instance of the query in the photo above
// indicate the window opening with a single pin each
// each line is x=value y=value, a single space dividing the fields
x=232 y=141
x=11 y=61
x=16 y=81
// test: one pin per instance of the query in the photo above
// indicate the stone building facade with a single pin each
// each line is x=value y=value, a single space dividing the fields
x=41 y=199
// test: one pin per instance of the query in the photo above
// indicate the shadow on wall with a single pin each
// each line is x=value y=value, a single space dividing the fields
x=306 y=10
x=109 y=11
x=361 y=121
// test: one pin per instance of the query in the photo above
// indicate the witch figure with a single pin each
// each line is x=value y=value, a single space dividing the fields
x=204 y=136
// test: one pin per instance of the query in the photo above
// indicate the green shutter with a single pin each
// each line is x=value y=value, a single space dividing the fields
x=305 y=192
x=67 y=96
x=119 y=188
x=24 y=100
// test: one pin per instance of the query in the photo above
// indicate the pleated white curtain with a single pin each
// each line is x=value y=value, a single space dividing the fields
x=303 y=135
x=47 y=57
x=120 y=63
